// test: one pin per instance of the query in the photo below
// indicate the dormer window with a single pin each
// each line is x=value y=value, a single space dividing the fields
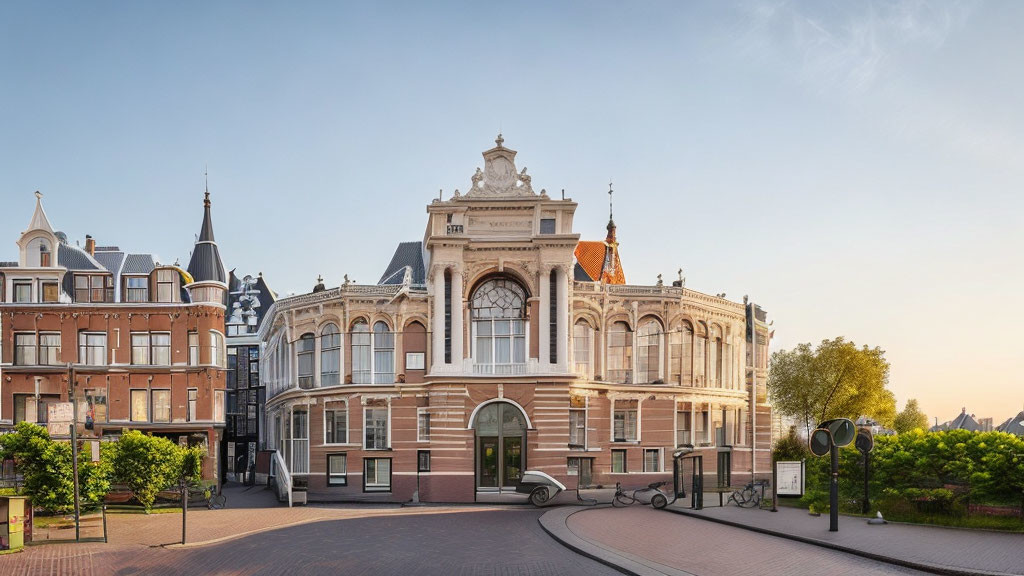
x=94 y=288
x=136 y=289
x=22 y=291
x=167 y=285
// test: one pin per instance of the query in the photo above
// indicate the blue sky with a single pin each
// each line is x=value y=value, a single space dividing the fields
x=853 y=166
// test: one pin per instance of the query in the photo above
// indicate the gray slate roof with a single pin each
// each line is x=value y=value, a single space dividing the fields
x=138 y=264
x=1014 y=425
x=74 y=258
x=8 y=264
x=407 y=254
x=963 y=421
x=580 y=275
x=111 y=260
x=206 y=263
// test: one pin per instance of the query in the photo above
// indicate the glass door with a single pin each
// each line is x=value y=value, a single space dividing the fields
x=512 y=461
x=487 y=451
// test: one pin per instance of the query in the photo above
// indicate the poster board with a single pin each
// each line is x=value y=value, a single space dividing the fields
x=789 y=477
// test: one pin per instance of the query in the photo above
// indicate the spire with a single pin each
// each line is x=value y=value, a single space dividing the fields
x=610 y=239
x=205 y=263
x=39 y=219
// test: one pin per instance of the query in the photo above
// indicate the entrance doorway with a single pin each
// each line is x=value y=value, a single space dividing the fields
x=500 y=436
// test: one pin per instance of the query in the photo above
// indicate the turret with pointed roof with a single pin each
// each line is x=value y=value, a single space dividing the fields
x=206 y=264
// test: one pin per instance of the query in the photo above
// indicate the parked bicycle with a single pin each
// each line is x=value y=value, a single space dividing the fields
x=750 y=495
x=652 y=495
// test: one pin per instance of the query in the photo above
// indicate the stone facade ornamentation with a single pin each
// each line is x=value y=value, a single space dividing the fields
x=499 y=177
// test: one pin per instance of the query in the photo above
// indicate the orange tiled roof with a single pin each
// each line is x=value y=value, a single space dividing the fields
x=591 y=257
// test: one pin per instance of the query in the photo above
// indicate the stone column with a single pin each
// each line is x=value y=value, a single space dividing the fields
x=563 y=319
x=544 y=329
x=457 y=330
x=437 y=338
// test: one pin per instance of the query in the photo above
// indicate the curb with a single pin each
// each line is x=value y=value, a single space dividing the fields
x=923 y=566
x=555 y=523
x=178 y=546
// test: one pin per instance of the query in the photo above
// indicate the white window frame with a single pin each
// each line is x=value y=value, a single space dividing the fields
x=331 y=477
x=83 y=339
x=218 y=350
x=377 y=486
x=415 y=360
x=419 y=429
x=324 y=351
x=660 y=451
x=32 y=348
x=586 y=422
x=326 y=408
x=387 y=427
x=628 y=440
x=152 y=405
x=193 y=348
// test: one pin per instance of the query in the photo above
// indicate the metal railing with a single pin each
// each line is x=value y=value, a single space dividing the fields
x=282 y=479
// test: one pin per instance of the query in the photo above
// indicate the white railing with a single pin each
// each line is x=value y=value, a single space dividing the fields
x=282 y=479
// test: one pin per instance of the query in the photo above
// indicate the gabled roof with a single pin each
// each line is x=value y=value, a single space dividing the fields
x=408 y=254
x=1014 y=425
x=600 y=261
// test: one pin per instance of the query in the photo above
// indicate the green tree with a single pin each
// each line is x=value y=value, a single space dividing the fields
x=148 y=464
x=835 y=380
x=45 y=465
x=910 y=418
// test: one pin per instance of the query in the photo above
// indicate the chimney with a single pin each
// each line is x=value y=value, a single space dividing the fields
x=90 y=245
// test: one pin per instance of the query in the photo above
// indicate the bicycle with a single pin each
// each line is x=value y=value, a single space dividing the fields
x=751 y=494
x=658 y=499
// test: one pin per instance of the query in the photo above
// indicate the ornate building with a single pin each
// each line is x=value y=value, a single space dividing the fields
x=500 y=343
x=143 y=341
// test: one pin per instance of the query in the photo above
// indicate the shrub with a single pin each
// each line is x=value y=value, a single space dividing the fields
x=148 y=464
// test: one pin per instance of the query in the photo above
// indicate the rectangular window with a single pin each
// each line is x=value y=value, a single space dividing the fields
x=193 y=397
x=582 y=346
x=25 y=349
x=683 y=427
x=136 y=289
x=423 y=461
x=337 y=469
x=50 y=292
x=218 y=354
x=577 y=422
x=547 y=225
x=375 y=425
x=618 y=461
x=335 y=425
x=92 y=348
x=377 y=474
x=304 y=355
x=423 y=426
x=624 y=422
x=553 y=318
x=140 y=348
x=140 y=406
x=95 y=406
x=193 y=349
x=81 y=288
x=161 y=405
x=96 y=288
x=652 y=460
x=22 y=292
x=447 y=317
x=161 y=343
x=49 y=349
x=414 y=360
x=701 y=427
x=166 y=285
x=299 y=441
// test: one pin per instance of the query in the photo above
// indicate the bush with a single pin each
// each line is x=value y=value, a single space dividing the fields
x=148 y=464
x=792 y=447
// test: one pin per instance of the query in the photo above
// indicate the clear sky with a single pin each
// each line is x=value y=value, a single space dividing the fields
x=855 y=167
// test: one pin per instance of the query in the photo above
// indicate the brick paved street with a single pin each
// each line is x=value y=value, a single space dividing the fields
x=708 y=549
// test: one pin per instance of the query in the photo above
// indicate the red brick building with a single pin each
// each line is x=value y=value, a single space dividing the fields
x=144 y=340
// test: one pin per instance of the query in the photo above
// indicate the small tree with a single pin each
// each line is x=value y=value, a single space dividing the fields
x=792 y=447
x=45 y=465
x=146 y=465
x=910 y=418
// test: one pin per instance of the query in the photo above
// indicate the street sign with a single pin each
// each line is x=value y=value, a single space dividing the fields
x=59 y=417
x=789 y=478
x=821 y=441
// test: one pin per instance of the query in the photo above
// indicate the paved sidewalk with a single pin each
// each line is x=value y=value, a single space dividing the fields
x=642 y=541
x=932 y=548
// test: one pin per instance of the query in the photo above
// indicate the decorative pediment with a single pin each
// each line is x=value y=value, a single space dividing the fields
x=499 y=178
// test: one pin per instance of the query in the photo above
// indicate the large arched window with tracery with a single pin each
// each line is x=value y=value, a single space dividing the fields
x=498 y=312
x=681 y=354
x=648 y=353
x=330 y=356
x=583 y=347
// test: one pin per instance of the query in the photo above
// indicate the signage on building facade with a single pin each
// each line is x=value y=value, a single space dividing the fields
x=59 y=416
x=503 y=225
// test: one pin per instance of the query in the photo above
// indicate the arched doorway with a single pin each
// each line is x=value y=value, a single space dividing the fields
x=500 y=440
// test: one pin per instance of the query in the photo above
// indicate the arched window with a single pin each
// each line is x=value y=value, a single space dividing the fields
x=330 y=356
x=383 y=354
x=304 y=359
x=583 y=347
x=218 y=355
x=361 y=364
x=499 y=327
x=716 y=353
x=699 y=345
x=681 y=354
x=620 y=353
x=648 y=359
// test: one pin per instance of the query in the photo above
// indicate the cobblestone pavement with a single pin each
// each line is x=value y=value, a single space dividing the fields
x=708 y=549
x=353 y=541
